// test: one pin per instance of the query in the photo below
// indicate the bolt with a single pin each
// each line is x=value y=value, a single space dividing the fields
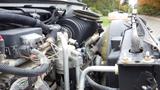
x=125 y=59
x=147 y=56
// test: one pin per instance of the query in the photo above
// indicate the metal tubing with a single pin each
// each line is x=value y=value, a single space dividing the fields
x=135 y=40
x=65 y=60
x=78 y=70
x=94 y=68
x=77 y=58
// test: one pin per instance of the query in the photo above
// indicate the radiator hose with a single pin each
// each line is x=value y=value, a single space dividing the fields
x=97 y=86
x=28 y=72
x=22 y=20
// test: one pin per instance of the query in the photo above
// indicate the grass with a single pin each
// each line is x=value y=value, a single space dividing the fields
x=105 y=21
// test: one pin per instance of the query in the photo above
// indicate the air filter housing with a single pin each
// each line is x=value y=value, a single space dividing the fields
x=80 y=27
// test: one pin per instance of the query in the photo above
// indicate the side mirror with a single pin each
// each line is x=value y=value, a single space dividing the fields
x=123 y=2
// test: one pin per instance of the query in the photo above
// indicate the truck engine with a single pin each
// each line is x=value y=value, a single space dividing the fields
x=44 y=48
x=61 y=45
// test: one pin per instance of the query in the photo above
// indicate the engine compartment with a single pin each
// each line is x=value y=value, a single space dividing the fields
x=32 y=46
x=54 y=47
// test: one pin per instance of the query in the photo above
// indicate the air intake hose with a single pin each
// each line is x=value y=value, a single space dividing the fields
x=79 y=29
x=28 y=72
x=22 y=20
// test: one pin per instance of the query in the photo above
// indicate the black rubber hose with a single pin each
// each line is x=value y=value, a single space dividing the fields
x=24 y=72
x=28 y=72
x=22 y=20
x=97 y=86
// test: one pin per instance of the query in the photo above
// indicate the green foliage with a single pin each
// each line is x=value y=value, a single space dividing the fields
x=124 y=8
x=105 y=21
x=149 y=10
x=105 y=6
x=101 y=6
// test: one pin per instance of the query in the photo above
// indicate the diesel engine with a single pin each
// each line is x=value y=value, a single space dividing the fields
x=61 y=45
x=43 y=48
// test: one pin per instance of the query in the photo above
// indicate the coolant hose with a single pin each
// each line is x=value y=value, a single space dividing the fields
x=97 y=69
x=28 y=72
x=97 y=86
x=22 y=20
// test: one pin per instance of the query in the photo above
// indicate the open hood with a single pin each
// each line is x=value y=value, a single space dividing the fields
x=71 y=2
x=29 y=1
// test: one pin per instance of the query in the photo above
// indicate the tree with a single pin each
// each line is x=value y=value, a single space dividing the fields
x=103 y=6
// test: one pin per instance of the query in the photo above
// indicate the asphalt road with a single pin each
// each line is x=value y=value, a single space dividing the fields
x=154 y=24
